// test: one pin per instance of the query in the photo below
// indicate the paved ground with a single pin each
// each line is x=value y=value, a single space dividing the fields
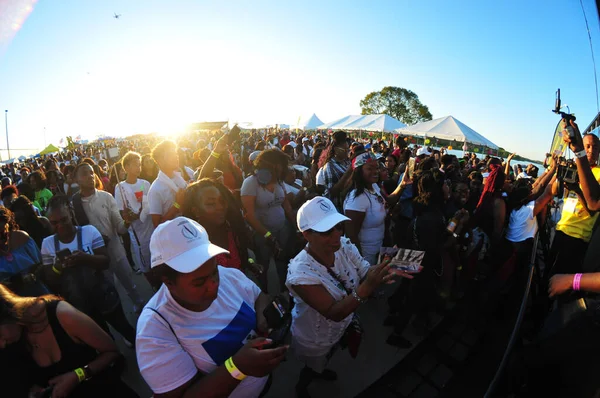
x=375 y=358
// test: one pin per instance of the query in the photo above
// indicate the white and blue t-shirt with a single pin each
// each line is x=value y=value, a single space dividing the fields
x=204 y=339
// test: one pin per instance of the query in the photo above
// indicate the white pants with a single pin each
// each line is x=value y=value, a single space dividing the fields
x=122 y=272
x=141 y=258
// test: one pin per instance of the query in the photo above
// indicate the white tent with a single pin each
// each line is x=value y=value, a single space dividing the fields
x=308 y=123
x=447 y=128
x=381 y=123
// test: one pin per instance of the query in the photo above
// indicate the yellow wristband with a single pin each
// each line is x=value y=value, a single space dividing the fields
x=215 y=155
x=176 y=205
x=56 y=271
x=80 y=374
x=250 y=260
x=233 y=370
x=268 y=234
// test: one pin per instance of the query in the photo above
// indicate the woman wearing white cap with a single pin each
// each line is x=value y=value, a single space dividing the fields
x=328 y=281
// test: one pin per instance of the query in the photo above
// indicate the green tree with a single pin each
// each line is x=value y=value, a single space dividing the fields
x=397 y=102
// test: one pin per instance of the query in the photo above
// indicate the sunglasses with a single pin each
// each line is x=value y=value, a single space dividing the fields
x=337 y=227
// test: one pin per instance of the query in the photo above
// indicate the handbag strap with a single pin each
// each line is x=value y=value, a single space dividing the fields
x=80 y=216
x=168 y=324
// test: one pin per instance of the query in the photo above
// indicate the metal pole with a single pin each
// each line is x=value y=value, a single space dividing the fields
x=6 y=126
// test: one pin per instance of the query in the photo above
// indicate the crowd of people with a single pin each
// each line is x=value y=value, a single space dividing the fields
x=204 y=218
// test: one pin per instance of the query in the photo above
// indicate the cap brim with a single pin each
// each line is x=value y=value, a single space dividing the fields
x=192 y=259
x=329 y=222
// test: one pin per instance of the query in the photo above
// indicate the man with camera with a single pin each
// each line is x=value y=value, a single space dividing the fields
x=579 y=213
x=195 y=337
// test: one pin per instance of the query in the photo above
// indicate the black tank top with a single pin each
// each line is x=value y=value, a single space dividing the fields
x=72 y=355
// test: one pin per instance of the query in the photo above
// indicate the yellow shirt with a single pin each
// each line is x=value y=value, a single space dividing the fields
x=575 y=220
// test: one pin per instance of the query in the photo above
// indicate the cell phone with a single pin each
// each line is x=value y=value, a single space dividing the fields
x=277 y=336
x=275 y=313
x=63 y=254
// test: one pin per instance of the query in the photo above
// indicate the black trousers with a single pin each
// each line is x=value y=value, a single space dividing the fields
x=566 y=255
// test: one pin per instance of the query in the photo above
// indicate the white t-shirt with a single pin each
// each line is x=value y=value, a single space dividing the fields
x=522 y=224
x=320 y=177
x=125 y=193
x=372 y=230
x=189 y=172
x=90 y=240
x=161 y=195
x=314 y=334
x=207 y=338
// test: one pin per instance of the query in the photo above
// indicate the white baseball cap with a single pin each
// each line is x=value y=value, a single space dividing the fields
x=423 y=151
x=182 y=244
x=305 y=139
x=318 y=214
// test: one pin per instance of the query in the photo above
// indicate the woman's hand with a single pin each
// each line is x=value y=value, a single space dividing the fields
x=404 y=274
x=64 y=384
x=76 y=259
x=405 y=179
x=377 y=274
x=559 y=284
x=274 y=245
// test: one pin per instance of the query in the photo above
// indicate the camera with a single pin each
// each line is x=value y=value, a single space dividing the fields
x=567 y=171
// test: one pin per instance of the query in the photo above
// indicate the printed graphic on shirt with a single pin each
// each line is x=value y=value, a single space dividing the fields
x=229 y=340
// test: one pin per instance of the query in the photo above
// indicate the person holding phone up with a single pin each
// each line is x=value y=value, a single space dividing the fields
x=328 y=280
x=220 y=158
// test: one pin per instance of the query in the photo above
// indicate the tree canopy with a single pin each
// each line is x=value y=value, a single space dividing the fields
x=396 y=102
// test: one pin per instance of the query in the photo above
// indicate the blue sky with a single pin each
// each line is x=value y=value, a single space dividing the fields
x=495 y=66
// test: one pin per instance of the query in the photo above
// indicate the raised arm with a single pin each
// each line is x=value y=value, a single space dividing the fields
x=589 y=185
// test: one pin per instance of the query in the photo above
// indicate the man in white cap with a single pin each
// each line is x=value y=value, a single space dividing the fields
x=195 y=336
x=328 y=280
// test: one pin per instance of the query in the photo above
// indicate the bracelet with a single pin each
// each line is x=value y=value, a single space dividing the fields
x=176 y=205
x=233 y=370
x=268 y=234
x=577 y=282
x=250 y=260
x=215 y=155
x=580 y=154
x=56 y=271
x=357 y=297
x=80 y=374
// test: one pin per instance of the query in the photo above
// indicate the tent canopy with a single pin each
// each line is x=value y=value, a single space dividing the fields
x=381 y=123
x=49 y=149
x=447 y=128
x=308 y=123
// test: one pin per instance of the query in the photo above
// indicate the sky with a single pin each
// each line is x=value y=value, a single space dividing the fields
x=69 y=68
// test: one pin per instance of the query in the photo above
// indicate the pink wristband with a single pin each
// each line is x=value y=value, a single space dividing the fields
x=576 y=282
